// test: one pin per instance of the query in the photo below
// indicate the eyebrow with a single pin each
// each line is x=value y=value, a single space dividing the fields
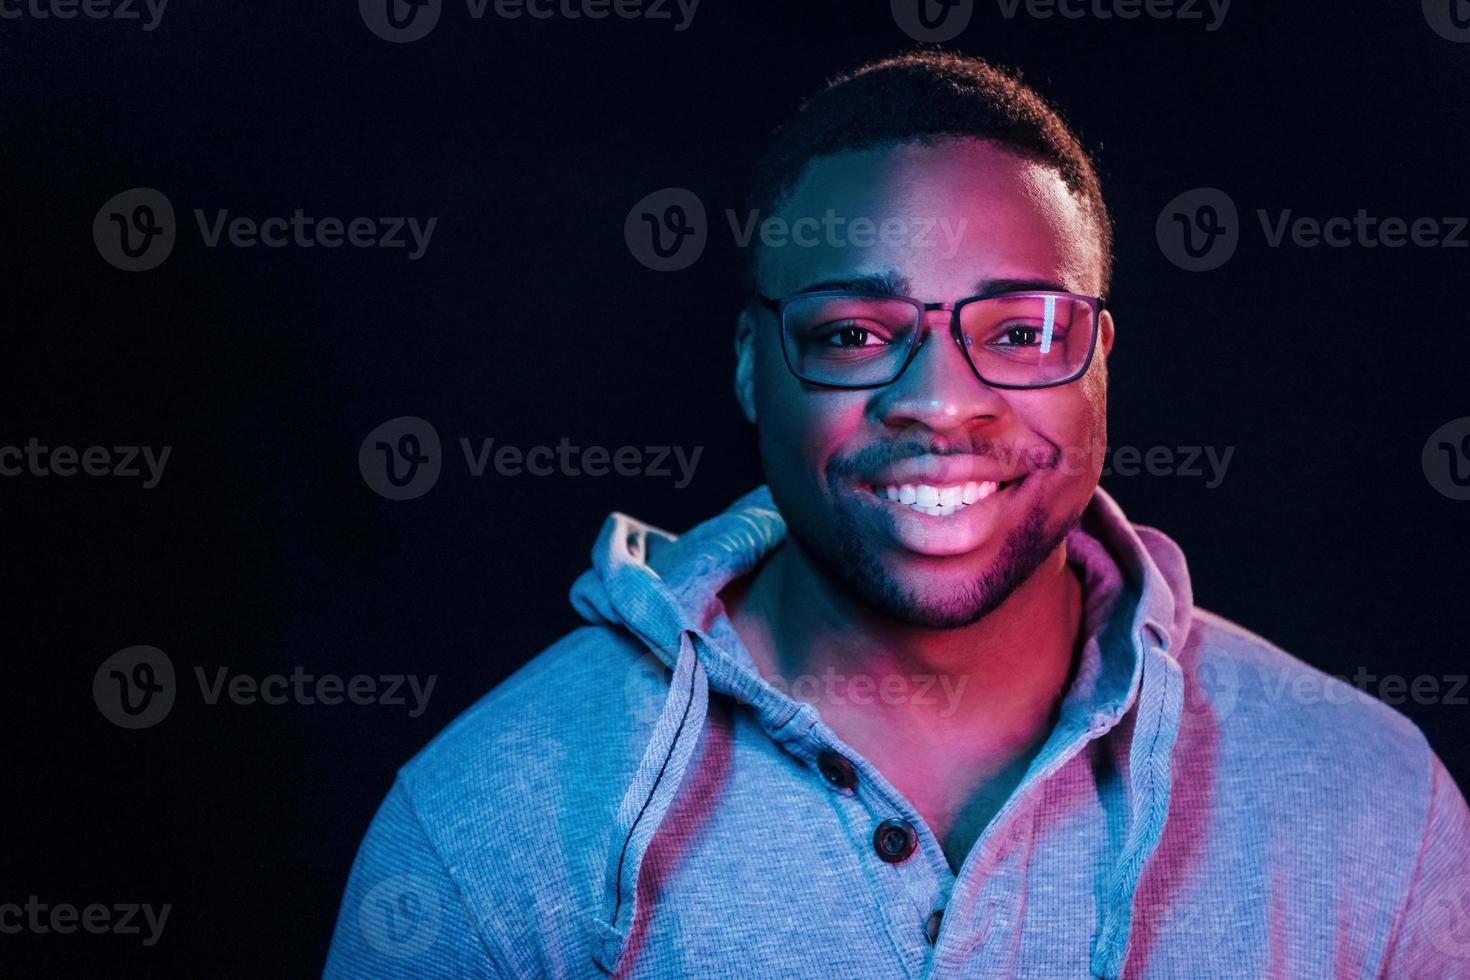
x=890 y=283
x=887 y=283
x=996 y=287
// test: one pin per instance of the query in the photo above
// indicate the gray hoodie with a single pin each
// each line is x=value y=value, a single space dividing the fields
x=638 y=800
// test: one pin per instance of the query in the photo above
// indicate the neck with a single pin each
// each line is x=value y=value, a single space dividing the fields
x=992 y=687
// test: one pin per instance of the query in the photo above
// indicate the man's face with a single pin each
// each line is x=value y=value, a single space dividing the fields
x=829 y=454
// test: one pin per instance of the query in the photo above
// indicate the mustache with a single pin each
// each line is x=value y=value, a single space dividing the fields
x=873 y=458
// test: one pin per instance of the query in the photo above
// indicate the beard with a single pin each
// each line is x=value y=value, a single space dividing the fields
x=850 y=562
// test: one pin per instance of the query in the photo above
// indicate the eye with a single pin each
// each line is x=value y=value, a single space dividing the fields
x=852 y=334
x=1018 y=335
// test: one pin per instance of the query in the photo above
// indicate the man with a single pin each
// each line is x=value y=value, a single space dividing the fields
x=936 y=708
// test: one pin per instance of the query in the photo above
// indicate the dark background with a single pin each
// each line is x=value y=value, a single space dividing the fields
x=528 y=320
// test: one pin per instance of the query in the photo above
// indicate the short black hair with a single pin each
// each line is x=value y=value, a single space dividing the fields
x=922 y=97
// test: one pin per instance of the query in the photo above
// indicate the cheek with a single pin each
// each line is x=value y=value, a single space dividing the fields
x=1094 y=389
x=1072 y=421
x=1081 y=432
x=799 y=428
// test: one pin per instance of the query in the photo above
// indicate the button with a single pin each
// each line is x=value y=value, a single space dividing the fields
x=931 y=926
x=837 y=770
x=895 y=840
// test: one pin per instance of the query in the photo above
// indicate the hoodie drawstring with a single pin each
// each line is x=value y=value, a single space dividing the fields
x=1160 y=704
x=647 y=801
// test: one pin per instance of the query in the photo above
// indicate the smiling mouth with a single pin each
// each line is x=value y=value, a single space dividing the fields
x=940 y=501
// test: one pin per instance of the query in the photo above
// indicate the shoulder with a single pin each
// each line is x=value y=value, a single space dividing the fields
x=1306 y=747
x=510 y=807
x=566 y=724
x=494 y=832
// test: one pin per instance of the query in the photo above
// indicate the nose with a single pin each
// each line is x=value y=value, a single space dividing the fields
x=938 y=389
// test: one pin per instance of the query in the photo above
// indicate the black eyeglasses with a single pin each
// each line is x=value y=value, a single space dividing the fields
x=854 y=339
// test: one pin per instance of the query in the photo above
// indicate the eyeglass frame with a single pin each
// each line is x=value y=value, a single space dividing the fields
x=778 y=307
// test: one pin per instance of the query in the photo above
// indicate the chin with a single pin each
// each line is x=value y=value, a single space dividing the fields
x=947 y=592
x=962 y=604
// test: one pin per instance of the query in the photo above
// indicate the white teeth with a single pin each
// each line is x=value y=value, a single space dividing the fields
x=938 y=501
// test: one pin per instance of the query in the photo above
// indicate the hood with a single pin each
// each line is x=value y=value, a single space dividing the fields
x=662 y=587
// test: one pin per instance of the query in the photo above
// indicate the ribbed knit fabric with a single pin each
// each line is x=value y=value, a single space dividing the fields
x=638 y=801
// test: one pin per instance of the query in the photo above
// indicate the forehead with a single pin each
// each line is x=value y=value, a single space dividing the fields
x=945 y=217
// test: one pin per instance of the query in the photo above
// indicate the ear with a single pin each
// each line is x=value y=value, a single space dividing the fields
x=1105 y=333
x=745 y=363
